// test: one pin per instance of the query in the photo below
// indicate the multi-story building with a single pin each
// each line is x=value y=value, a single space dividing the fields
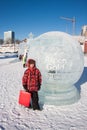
x=9 y=37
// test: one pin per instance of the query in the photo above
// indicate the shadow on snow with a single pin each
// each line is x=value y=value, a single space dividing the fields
x=82 y=79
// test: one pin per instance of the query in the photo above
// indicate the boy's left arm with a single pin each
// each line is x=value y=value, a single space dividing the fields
x=24 y=80
x=40 y=80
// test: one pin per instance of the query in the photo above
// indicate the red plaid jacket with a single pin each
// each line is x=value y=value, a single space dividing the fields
x=32 y=79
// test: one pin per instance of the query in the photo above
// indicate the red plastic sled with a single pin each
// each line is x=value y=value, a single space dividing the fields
x=24 y=98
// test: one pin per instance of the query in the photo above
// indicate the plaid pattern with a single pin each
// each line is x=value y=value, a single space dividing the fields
x=32 y=79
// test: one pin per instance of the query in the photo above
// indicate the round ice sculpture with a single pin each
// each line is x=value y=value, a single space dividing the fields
x=60 y=59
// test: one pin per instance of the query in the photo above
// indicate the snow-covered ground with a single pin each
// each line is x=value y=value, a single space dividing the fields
x=16 y=117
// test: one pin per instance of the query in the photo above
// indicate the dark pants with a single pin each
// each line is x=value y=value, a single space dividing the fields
x=23 y=65
x=35 y=99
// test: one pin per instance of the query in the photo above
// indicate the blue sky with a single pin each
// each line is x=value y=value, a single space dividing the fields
x=40 y=16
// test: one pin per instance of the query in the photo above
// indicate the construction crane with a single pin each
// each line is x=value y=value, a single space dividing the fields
x=73 y=21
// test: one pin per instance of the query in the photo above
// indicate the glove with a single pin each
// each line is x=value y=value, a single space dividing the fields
x=39 y=87
x=25 y=87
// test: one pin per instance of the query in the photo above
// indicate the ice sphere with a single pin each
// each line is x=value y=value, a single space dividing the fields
x=60 y=60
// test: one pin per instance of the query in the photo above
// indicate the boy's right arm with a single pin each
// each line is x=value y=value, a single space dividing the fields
x=24 y=79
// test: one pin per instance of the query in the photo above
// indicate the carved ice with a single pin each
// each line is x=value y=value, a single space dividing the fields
x=60 y=60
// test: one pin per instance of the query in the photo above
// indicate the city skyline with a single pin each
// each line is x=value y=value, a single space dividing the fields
x=40 y=16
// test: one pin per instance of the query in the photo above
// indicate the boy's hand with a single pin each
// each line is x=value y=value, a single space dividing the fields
x=39 y=87
x=25 y=87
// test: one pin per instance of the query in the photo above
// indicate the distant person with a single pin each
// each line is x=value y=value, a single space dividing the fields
x=20 y=57
x=24 y=59
x=31 y=82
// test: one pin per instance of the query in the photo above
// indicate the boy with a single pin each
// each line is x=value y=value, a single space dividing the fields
x=31 y=82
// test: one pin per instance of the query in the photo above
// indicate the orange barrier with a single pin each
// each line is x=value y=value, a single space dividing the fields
x=85 y=47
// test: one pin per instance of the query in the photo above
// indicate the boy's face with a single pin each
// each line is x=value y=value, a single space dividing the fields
x=31 y=65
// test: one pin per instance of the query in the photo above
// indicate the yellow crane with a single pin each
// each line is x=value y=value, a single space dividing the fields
x=73 y=22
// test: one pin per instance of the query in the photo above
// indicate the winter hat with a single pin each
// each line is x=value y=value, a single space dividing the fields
x=31 y=61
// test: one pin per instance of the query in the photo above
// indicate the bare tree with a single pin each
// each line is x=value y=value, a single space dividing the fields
x=8 y=41
x=17 y=41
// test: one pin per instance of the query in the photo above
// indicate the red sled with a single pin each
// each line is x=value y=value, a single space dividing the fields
x=24 y=98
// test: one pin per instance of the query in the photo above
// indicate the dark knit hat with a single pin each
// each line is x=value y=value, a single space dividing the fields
x=31 y=61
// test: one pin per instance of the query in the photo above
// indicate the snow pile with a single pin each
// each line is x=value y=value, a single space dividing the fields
x=16 y=117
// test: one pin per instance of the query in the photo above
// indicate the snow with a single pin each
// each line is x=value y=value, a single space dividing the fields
x=16 y=117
